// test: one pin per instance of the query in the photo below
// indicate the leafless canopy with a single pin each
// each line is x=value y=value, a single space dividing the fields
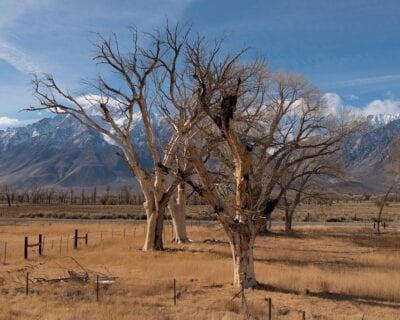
x=259 y=126
x=240 y=127
x=137 y=83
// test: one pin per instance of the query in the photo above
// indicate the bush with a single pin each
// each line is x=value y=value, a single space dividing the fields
x=336 y=219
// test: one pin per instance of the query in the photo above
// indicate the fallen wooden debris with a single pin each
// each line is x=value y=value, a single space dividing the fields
x=58 y=279
x=107 y=280
x=213 y=241
x=80 y=276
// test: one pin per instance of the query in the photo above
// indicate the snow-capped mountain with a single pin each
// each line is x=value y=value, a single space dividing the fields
x=61 y=152
x=378 y=120
x=367 y=155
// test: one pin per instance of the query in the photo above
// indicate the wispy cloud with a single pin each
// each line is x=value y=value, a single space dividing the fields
x=370 y=80
x=12 y=13
x=17 y=58
x=7 y=122
x=354 y=97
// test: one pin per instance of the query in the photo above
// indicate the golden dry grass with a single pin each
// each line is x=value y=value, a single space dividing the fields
x=350 y=210
x=328 y=272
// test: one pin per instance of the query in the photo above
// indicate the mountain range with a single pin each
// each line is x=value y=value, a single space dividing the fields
x=61 y=152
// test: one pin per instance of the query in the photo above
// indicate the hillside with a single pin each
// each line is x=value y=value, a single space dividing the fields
x=61 y=152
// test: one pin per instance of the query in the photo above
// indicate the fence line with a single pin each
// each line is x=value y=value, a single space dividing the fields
x=58 y=244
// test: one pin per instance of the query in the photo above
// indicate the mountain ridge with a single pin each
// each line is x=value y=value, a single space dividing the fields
x=61 y=152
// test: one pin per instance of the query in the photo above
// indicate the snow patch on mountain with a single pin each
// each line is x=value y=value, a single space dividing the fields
x=379 y=120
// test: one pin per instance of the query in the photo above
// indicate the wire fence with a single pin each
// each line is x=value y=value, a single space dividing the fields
x=95 y=285
x=103 y=287
x=13 y=247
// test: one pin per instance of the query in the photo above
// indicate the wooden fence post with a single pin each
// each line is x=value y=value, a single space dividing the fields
x=40 y=244
x=174 y=292
x=5 y=252
x=303 y=315
x=86 y=238
x=97 y=287
x=26 y=248
x=27 y=283
x=76 y=239
x=269 y=308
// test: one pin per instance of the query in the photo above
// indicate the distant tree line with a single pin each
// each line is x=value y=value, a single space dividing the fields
x=44 y=195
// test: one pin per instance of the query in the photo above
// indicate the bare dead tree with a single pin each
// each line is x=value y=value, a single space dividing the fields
x=8 y=192
x=256 y=126
x=112 y=105
x=382 y=203
x=392 y=170
x=305 y=181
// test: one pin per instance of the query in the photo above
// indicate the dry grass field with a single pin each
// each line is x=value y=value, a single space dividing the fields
x=87 y=211
x=338 y=211
x=329 y=272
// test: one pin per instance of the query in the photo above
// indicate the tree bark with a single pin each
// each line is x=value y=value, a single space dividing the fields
x=178 y=213
x=243 y=259
x=243 y=262
x=154 y=229
x=158 y=239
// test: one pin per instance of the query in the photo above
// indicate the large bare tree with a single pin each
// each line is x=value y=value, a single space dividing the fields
x=132 y=87
x=256 y=126
x=238 y=126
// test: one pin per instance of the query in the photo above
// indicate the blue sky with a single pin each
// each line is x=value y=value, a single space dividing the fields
x=349 y=49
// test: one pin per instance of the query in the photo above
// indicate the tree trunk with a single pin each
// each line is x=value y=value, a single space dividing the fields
x=243 y=259
x=158 y=239
x=383 y=202
x=178 y=213
x=288 y=221
x=9 y=200
x=154 y=230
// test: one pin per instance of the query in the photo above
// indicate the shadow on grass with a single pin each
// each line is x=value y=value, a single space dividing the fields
x=271 y=288
x=282 y=234
x=188 y=250
x=321 y=263
x=331 y=296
